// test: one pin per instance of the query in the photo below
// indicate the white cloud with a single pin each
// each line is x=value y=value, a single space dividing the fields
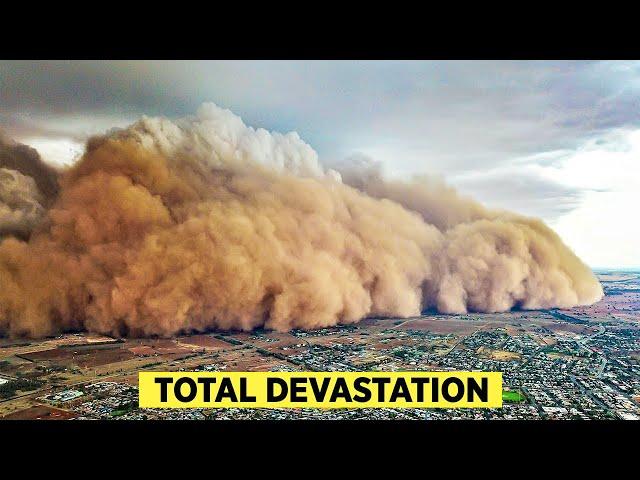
x=604 y=229
x=55 y=151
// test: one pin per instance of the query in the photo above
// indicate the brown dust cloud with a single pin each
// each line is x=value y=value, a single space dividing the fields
x=204 y=223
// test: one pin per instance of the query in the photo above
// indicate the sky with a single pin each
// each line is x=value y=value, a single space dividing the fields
x=557 y=140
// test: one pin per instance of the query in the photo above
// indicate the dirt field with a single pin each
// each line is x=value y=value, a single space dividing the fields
x=441 y=326
x=503 y=355
x=166 y=349
x=622 y=306
x=40 y=412
x=572 y=328
x=206 y=341
x=83 y=358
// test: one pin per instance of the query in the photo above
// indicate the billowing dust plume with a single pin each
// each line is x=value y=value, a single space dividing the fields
x=27 y=187
x=203 y=223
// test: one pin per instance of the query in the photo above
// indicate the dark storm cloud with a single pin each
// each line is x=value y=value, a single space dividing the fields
x=26 y=161
x=72 y=86
x=388 y=99
x=446 y=118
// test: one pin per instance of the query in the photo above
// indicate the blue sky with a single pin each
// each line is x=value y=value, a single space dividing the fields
x=559 y=140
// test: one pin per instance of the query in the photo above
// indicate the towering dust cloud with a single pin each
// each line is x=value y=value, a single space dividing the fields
x=206 y=223
x=27 y=187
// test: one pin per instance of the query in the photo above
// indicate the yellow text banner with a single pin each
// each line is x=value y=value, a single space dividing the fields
x=320 y=389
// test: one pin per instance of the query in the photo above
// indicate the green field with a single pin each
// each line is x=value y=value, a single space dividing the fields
x=512 y=396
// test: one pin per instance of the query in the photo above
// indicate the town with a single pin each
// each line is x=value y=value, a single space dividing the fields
x=581 y=363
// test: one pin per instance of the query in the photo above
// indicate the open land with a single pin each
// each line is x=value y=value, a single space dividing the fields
x=582 y=363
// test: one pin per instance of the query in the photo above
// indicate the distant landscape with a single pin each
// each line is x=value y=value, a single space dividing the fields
x=581 y=363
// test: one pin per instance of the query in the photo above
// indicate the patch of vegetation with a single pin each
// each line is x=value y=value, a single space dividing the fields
x=152 y=364
x=512 y=396
x=400 y=352
x=230 y=340
x=123 y=409
x=9 y=389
